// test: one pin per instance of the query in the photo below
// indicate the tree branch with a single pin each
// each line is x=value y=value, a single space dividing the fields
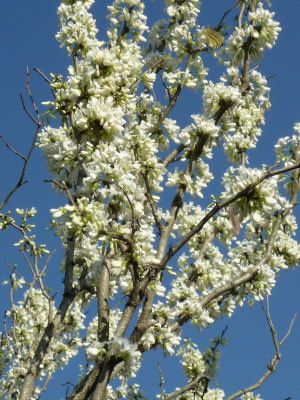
x=21 y=181
x=273 y=364
x=187 y=388
x=219 y=206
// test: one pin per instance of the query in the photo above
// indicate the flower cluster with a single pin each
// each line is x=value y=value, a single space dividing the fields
x=264 y=196
x=29 y=319
x=259 y=33
x=192 y=360
x=78 y=29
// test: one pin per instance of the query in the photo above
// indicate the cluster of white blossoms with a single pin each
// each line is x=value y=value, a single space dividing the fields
x=242 y=126
x=129 y=13
x=28 y=319
x=181 y=35
x=78 y=29
x=127 y=351
x=159 y=334
x=261 y=32
x=263 y=197
x=201 y=126
x=193 y=186
x=242 y=123
x=137 y=206
x=192 y=360
x=287 y=146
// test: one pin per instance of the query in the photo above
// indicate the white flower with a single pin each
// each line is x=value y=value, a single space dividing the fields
x=94 y=349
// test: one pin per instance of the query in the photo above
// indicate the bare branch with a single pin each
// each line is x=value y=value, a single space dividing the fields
x=152 y=203
x=33 y=104
x=62 y=187
x=102 y=296
x=172 y=156
x=33 y=119
x=12 y=148
x=21 y=181
x=289 y=330
x=273 y=364
x=220 y=24
x=42 y=74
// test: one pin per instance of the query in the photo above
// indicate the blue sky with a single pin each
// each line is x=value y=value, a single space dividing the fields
x=27 y=30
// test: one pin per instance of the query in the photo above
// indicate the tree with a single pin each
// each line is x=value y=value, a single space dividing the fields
x=147 y=248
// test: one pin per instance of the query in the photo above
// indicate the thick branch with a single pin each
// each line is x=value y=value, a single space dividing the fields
x=52 y=328
x=103 y=307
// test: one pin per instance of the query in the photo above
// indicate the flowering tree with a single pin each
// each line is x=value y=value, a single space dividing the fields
x=138 y=240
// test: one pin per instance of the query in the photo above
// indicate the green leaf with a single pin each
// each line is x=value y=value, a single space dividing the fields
x=214 y=38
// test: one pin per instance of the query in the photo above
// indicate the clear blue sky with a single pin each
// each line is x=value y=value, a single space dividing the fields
x=27 y=30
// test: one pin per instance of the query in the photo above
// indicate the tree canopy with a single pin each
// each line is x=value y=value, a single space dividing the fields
x=153 y=240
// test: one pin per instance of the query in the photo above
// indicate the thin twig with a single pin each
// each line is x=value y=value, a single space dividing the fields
x=62 y=187
x=42 y=74
x=12 y=148
x=28 y=90
x=220 y=24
